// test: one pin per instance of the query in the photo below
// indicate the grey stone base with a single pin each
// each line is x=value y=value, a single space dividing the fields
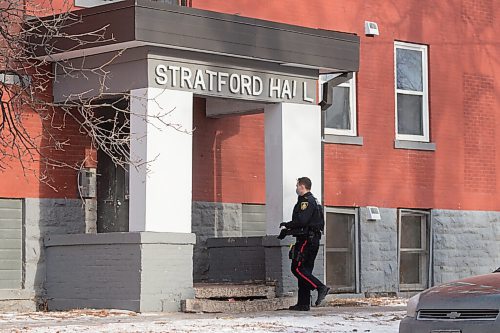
x=45 y=218
x=257 y=305
x=133 y=271
x=17 y=300
x=463 y=243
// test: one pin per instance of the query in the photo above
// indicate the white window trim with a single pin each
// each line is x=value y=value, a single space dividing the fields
x=351 y=84
x=425 y=93
x=355 y=212
x=424 y=250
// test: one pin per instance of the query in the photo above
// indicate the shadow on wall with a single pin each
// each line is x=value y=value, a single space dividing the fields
x=211 y=219
x=55 y=211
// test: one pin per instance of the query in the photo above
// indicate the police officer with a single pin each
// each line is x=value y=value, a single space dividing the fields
x=306 y=225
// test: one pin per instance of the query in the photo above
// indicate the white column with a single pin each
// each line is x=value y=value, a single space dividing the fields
x=161 y=191
x=293 y=150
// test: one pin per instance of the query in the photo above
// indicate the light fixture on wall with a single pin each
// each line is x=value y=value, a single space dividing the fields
x=373 y=213
x=371 y=29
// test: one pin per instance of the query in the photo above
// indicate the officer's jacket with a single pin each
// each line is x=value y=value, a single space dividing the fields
x=304 y=211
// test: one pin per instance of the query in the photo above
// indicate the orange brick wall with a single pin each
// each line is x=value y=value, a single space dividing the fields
x=228 y=157
x=463 y=173
x=37 y=180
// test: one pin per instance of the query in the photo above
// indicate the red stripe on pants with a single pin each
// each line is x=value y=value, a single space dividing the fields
x=298 y=266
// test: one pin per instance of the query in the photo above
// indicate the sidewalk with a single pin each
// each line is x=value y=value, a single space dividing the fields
x=373 y=319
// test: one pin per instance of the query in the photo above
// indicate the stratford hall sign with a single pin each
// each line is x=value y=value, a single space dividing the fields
x=234 y=83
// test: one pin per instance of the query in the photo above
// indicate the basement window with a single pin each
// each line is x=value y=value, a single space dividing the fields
x=414 y=239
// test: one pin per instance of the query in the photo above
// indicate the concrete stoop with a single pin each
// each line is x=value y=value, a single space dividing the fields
x=233 y=298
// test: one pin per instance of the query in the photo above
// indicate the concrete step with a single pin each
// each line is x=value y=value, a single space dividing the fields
x=256 y=305
x=226 y=291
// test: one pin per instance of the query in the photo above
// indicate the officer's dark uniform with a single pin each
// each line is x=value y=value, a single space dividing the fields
x=306 y=221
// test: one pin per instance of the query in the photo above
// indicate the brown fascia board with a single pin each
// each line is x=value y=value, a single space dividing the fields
x=174 y=26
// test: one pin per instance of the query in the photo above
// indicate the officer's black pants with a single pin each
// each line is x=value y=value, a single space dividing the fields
x=306 y=250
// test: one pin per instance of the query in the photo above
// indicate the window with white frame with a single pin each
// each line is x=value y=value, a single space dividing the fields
x=340 y=117
x=412 y=100
x=414 y=239
x=341 y=244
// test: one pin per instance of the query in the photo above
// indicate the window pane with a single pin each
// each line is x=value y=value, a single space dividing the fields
x=411 y=232
x=410 y=115
x=409 y=271
x=409 y=69
x=339 y=230
x=340 y=270
x=338 y=115
x=341 y=264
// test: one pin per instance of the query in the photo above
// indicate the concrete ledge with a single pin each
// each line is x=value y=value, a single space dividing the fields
x=121 y=238
x=343 y=139
x=414 y=145
x=211 y=306
x=272 y=241
x=234 y=242
x=227 y=290
x=61 y=304
x=16 y=294
x=18 y=305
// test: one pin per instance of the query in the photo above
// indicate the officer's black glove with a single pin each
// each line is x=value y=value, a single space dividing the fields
x=282 y=234
x=283 y=224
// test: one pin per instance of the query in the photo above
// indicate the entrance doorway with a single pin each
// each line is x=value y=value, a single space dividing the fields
x=341 y=255
x=113 y=179
x=112 y=195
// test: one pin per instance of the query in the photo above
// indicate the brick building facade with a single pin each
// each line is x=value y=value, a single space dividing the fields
x=413 y=133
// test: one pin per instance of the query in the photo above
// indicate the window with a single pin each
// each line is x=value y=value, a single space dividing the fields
x=340 y=117
x=341 y=263
x=413 y=250
x=412 y=102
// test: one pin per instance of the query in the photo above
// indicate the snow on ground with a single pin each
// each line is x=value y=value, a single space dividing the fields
x=372 y=319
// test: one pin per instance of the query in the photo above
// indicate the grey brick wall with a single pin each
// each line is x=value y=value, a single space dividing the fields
x=465 y=243
x=251 y=259
x=379 y=267
x=212 y=219
x=236 y=259
x=166 y=275
x=95 y=276
x=43 y=218
x=132 y=271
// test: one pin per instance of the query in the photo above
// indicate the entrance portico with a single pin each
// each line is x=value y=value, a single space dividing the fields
x=242 y=65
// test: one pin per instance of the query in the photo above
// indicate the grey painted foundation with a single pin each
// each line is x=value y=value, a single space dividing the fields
x=379 y=252
x=465 y=243
x=134 y=271
x=42 y=218
x=213 y=219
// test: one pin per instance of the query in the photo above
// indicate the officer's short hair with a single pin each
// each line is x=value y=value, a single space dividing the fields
x=305 y=181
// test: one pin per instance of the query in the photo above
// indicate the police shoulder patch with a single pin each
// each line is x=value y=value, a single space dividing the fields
x=303 y=205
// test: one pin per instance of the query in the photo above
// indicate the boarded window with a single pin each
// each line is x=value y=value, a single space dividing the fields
x=11 y=235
